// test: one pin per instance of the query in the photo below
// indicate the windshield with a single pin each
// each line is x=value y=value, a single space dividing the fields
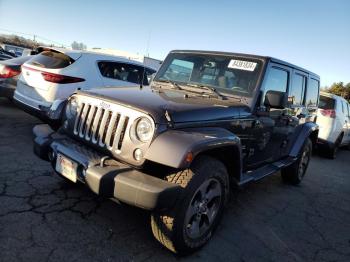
x=227 y=74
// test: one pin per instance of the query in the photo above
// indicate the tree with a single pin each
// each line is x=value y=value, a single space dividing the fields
x=78 y=46
x=340 y=89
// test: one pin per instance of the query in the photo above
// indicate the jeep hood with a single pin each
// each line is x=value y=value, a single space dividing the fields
x=159 y=103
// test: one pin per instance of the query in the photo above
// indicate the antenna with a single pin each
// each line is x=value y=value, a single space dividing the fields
x=146 y=52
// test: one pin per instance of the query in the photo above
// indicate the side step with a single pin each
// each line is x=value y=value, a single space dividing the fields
x=257 y=174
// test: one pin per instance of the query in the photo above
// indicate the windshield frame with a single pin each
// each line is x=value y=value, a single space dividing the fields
x=172 y=55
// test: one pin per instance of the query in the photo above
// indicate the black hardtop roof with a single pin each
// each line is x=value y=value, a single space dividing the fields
x=265 y=58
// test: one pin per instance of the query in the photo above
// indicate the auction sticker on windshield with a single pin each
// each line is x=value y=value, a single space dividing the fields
x=242 y=65
x=66 y=167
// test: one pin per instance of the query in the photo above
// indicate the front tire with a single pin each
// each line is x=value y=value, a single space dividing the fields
x=295 y=173
x=190 y=223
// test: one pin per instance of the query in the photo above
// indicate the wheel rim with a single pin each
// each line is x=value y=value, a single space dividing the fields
x=203 y=208
x=304 y=161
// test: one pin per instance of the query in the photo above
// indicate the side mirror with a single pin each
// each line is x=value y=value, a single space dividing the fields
x=150 y=78
x=276 y=99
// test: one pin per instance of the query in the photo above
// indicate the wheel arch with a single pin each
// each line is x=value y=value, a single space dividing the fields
x=309 y=130
x=231 y=157
x=174 y=148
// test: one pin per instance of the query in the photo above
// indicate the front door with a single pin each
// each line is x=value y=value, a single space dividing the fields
x=270 y=127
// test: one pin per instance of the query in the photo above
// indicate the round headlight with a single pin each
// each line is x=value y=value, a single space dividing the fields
x=144 y=129
x=71 y=108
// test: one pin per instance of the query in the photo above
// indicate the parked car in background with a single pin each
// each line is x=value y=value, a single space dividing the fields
x=333 y=118
x=10 y=71
x=210 y=121
x=4 y=55
x=54 y=74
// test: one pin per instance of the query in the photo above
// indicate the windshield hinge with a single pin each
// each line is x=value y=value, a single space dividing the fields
x=168 y=118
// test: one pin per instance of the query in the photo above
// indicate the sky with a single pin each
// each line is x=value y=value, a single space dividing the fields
x=314 y=34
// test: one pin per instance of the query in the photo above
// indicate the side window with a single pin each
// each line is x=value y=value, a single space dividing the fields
x=124 y=72
x=348 y=110
x=312 y=93
x=277 y=80
x=297 y=89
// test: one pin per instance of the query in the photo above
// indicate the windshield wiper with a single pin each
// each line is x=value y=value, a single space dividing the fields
x=174 y=84
x=211 y=89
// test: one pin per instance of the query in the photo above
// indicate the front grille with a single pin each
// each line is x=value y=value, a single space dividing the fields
x=103 y=127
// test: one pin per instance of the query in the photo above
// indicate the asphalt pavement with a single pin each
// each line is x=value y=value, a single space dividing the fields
x=44 y=218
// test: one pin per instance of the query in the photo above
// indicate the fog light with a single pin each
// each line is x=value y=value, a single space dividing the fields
x=138 y=154
x=65 y=124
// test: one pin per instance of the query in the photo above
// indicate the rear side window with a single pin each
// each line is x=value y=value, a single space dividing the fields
x=51 y=60
x=125 y=72
x=297 y=89
x=326 y=103
x=277 y=80
x=312 y=93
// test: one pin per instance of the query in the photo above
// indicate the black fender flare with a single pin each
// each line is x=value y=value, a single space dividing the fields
x=306 y=131
x=173 y=146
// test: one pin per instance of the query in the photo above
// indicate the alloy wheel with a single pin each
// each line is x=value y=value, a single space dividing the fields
x=203 y=208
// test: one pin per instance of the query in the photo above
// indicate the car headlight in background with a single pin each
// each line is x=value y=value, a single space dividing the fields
x=144 y=129
x=71 y=108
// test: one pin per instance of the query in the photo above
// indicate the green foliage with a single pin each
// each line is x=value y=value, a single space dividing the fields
x=340 y=89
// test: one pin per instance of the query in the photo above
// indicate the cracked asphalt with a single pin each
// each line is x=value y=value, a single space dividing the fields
x=44 y=218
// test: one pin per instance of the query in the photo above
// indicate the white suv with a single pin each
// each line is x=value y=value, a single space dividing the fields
x=55 y=74
x=333 y=118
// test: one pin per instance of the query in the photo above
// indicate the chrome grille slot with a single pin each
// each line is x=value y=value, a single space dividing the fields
x=84 y=116
x=89 y=121
x=123 y=130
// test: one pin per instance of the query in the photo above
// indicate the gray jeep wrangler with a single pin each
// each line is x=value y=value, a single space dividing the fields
x=209 y=121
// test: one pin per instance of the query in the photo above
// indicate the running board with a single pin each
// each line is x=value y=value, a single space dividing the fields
x=257 y=174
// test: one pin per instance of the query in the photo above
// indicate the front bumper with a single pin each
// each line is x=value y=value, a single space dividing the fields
x=113 y=179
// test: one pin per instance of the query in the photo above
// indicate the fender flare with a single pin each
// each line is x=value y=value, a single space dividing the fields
x=172 y=147
x=306 y=131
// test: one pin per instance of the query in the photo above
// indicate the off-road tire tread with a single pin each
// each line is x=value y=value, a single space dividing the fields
x=161 y=223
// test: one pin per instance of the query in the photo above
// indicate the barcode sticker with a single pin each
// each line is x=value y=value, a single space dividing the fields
x=242 y=65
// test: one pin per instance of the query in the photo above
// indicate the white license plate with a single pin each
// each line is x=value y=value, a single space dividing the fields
x=66 y=167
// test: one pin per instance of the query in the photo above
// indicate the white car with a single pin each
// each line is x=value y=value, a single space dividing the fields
x=333 y=118
x=55 y=74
